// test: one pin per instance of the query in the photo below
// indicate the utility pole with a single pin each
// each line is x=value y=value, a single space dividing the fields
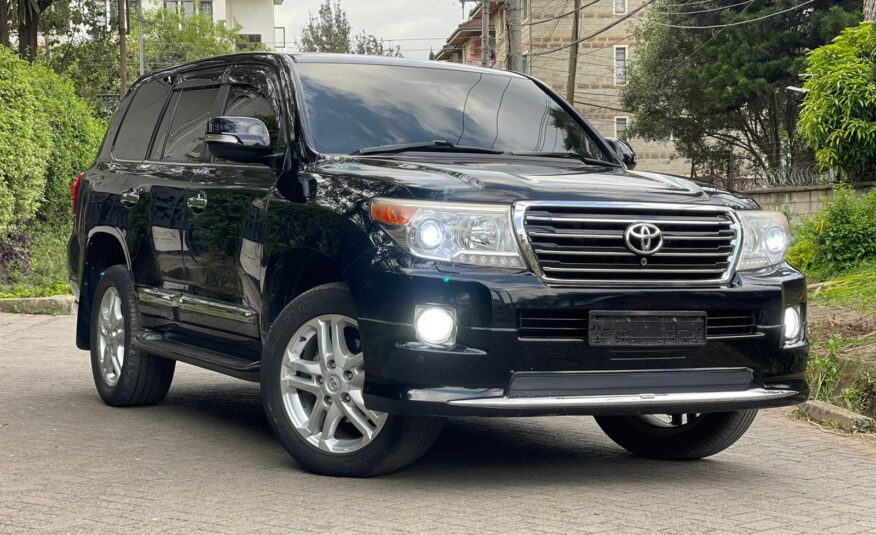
x=140 y=37
x=123 y=46
x=573 y=55
x=515 y=20
x=485 y=33
x=870 y=10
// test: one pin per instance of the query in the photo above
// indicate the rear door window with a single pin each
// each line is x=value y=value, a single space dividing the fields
x=137 y=127
x=185 y=137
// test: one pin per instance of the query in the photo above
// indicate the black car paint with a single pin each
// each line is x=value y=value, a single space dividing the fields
x=269 y=231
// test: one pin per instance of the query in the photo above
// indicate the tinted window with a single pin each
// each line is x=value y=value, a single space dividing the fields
x=185 y=138
x=350 y=106
x=253 y=95
x=135 y=133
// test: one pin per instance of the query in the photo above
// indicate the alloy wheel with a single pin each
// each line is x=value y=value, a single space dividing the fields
x=111 y=337
x=321 y=383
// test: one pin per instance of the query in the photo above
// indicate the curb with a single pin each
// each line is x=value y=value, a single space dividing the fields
x=833 y=416
x=55 y=305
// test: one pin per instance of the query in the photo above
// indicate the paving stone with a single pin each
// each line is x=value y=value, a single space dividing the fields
x=205 y=461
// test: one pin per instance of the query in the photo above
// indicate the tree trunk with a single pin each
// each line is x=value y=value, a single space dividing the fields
x=5 y=6
x=870 y=10
x=27 y=38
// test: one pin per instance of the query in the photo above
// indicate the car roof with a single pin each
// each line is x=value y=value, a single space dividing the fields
x=359 y=59
x=318 y=57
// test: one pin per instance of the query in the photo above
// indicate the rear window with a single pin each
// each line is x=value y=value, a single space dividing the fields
x=135 y=133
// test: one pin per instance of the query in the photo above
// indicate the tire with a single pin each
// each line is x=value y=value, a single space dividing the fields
x=703 y=436
x=318 y=412
x=137 y=378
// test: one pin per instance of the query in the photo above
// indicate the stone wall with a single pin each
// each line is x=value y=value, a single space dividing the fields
x=799 y=200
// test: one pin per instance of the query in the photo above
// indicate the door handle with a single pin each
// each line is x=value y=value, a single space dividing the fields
x=130 y=197
x=197 y=202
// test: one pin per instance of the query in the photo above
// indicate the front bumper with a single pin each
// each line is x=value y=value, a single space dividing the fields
x=476 y=377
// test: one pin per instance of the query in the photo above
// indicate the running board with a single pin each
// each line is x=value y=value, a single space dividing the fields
x=156 y=344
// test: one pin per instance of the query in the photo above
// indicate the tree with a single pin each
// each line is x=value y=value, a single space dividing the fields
x=27 y=14
x=869 y=9
x=92 y=60
x=838 y=117
x=720 y=91
x=327 y=32
x=365 y=43
x=330 y=31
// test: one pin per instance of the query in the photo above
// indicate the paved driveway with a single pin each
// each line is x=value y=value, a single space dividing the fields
x=205 y=460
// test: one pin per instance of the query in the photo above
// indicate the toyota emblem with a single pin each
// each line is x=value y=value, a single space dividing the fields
x=643 y=238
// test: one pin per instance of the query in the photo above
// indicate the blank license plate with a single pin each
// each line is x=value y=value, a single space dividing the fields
x=658 y=328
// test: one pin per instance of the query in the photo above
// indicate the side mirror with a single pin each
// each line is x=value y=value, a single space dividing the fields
x=624 y=151
x=238 y=139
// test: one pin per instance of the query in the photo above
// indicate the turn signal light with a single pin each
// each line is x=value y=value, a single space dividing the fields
x=393 y=214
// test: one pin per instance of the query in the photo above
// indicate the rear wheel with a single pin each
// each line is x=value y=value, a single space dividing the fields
x=124 y=375
x=677 y=436
x=313 y=382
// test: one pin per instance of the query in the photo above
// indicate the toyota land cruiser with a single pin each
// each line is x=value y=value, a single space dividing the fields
x=384 y=242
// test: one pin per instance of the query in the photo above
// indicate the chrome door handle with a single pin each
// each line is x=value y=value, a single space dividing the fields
x=197 y=202
x=130 y=197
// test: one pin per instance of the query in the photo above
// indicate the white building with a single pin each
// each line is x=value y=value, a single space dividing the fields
x=255 y=17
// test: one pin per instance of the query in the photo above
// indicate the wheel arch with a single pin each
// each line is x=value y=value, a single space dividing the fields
x=104 y=247
x=290 y=274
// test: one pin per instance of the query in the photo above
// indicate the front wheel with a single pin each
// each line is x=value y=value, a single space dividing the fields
x=677 y=436
x=312 y=379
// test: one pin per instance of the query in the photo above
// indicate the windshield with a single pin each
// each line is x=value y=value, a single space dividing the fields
x=354 y=106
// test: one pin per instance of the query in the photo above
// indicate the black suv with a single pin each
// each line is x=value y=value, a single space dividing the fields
x=383 y=242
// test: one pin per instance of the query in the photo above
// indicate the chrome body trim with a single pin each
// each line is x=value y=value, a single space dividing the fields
x=157 y=296
x=220 y=310
x=643 y=400
x=518 y=216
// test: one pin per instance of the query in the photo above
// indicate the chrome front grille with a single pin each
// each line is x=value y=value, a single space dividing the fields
x=579 y=244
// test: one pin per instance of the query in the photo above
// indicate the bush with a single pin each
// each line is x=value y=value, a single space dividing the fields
x=838 y=116
x=47 y=135
x=839 y=238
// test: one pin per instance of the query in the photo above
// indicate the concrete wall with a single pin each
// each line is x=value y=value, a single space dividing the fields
x=799 y=200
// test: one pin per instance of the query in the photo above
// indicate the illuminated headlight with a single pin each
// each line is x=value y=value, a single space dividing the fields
x=477 y=234
x=435 y=325
x=792 y=324
x=764 y=239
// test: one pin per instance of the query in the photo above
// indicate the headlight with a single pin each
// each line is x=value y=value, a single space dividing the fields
x=477 y=234
x=764 y=239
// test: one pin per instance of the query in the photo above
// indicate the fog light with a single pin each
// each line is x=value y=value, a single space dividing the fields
x=435 y=325
x=793 y=324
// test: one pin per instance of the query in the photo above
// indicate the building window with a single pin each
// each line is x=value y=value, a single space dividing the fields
x=620 y=7
x=251 y=41
x=620 y=127
x=189 y=7
x=620 y=65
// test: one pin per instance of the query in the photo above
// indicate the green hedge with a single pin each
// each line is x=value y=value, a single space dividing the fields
x=47 y=135
x=838 y=239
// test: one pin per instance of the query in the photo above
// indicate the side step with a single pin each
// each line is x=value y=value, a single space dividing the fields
x=156 y=344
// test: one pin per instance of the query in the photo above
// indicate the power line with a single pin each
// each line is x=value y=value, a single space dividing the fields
x=719 y=8
x=563 y=15
x=741 y=22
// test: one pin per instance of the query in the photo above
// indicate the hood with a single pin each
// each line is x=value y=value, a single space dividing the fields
x=507 y=179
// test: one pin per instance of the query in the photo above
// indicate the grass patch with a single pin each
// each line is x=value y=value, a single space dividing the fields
x=47 y=273
x=855 y=289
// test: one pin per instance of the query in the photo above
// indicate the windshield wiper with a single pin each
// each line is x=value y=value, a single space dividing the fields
x=572 y=155
x=437 y=145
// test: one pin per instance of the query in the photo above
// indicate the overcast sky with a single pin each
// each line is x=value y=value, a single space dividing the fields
x=412 y=20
